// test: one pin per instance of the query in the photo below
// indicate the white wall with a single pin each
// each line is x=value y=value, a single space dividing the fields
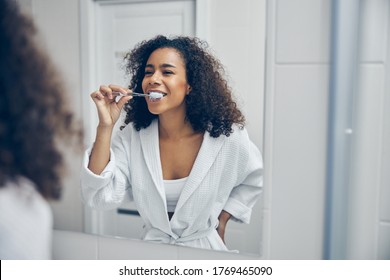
x=297 y=76
x=237 y=35
x=369 y=227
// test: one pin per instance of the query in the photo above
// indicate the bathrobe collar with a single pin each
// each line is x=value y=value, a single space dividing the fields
x=207 y=154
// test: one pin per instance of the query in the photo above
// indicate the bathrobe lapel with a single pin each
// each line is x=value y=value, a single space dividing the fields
x=207 y=154
x=151 y=152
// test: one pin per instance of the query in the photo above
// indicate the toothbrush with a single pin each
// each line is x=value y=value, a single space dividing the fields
x=153 y=95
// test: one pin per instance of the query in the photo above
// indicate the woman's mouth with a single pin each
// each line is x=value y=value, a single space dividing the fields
x=155 y=96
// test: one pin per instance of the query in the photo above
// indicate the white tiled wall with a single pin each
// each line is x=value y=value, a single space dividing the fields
x=299 y=156
x=365 y=163
x=384 y=241
x=298 y=46
x=237 y=34
x=297 y=74
x=302 y=31
x=384 y=181
x=370 y=210
x=374 y=45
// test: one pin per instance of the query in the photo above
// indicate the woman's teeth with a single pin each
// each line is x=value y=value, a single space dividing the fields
x=155 y=96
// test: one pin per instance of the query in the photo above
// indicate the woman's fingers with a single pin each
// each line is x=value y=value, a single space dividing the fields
x=123 y=100
x=107 y=92
x=116 y=88
x=108 y=106
x=97 y=95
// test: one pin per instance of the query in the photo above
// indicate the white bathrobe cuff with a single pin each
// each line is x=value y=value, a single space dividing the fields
x=240 y=212
x=90 y=179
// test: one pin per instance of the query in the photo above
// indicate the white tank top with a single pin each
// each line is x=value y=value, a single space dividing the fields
x=173 y=190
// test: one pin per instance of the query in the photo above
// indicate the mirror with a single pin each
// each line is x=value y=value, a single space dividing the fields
x=76 y=41
x=187 y=18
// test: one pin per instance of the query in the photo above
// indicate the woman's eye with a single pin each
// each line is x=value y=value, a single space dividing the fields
x=147 y=73
x=168 y=72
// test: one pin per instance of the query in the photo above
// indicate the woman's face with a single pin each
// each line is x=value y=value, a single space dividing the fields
x=165 y=72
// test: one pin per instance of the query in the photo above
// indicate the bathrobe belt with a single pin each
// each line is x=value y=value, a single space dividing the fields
x=156 y=235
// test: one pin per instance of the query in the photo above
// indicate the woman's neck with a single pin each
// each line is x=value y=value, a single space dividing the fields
x=174 y=128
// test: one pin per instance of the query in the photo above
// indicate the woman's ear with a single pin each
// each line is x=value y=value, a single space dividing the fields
x=189 y=89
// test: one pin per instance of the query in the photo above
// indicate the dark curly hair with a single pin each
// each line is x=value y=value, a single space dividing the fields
x=33 y=115
x=210 y=105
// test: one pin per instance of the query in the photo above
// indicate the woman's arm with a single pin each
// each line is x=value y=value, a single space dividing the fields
x=249 y=184
x=100 y=155
x=104 y=180
x=108 y=112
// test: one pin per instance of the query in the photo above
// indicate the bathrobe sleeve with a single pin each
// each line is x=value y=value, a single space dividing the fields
x=249 y=184
x=108 y=190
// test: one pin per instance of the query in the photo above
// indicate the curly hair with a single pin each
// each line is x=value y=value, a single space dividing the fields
x=33 y=115
x=210 y=105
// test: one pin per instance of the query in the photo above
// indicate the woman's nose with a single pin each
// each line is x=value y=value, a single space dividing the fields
x=155 y=78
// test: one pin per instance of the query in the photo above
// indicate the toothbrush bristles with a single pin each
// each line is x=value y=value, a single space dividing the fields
x=155 y=95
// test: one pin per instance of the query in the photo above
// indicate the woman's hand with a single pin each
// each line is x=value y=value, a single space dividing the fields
x=108 y=109
x=223 y=219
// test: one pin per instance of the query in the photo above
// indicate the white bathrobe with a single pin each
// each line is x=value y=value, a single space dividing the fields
x=227 y=175
x=26 y=222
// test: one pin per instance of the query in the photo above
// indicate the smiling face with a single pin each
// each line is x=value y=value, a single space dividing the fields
x=165 y=72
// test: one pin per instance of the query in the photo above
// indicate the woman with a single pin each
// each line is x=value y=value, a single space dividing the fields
x=33 y=117
x=186 y=158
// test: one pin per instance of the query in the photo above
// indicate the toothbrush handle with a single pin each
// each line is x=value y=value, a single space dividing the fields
x=135 y=94
x=139 y=94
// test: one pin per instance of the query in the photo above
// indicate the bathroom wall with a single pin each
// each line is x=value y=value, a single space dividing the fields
x=296 y=114
x=369 y=209
x=297 y=74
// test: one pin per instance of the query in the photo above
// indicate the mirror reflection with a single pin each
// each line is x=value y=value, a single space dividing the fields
x=125 y=221
x=109 y=44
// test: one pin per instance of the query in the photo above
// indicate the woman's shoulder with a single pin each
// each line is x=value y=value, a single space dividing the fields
x=239 y=134
x=232 y=143
x=239 y=142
